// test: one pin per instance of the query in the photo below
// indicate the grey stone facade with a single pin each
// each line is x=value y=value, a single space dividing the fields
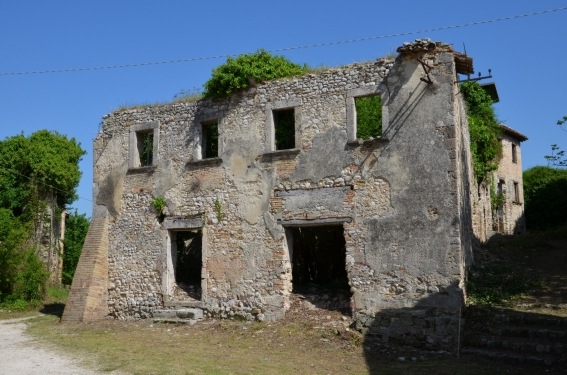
x=401 y=202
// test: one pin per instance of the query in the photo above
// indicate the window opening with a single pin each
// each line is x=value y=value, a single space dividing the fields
x=210 y=140
x=368 y=116
x=318 y=266
x=516 y=192
x=145 y=142
x=284 y=128
x=499 y=217
x=514 y=155
x=187 y=255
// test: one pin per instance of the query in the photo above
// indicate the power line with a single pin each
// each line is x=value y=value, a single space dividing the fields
x=42 y=183
x=358 y=40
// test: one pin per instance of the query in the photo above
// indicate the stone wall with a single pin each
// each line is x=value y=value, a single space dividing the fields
x=402 y=199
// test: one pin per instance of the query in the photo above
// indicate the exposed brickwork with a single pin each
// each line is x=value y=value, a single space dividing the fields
x=88 y=298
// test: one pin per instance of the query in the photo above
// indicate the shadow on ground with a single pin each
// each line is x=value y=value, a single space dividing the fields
x=518 y=326
x=53 y=309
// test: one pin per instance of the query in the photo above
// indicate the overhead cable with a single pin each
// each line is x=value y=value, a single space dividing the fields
x=358 y=40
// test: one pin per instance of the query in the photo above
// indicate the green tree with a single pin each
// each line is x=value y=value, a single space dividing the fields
x=42 y=165
x=247 y=70
x=33 y=170
x=76 y=228
x=484 y=129
x=22 y=274
x=545 y=198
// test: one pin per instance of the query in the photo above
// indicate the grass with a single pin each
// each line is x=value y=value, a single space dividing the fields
x=525 y=273
x=229 y=347
x=54 y=302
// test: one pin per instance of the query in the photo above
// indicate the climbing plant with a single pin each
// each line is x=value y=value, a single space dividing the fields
x=485 y=131
x=247 y=70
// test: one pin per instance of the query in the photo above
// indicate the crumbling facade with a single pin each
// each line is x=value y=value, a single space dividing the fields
x=247 y=221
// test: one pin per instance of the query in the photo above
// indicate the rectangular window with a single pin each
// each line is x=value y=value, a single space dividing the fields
x=516 y=192
x=514 y=153
x=143 y=147
x=284 y=128
x=145 y=143
x=210 y=140
x=368 y=111
x=501 y=184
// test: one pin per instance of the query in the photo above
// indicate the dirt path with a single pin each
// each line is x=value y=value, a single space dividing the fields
x=20 y=354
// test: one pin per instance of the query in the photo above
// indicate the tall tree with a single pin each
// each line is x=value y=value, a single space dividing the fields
x=43 y=166
x=44 y=163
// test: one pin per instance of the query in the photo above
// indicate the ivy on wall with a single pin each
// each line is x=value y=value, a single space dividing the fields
x=484 y=129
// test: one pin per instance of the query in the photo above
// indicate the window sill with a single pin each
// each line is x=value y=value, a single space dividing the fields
x=147 y=169
x=280 y=154
x=204 y=163
x=367 y=142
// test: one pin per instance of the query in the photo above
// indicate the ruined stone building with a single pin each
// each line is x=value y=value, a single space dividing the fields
x=250 y=218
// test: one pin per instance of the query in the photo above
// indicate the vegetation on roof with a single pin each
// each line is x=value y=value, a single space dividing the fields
x=248 y=70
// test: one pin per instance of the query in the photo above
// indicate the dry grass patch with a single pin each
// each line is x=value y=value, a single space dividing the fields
x=229 y=347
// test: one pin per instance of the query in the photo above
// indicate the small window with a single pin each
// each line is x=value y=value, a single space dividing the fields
x=368 y=116
x=514 y=153
x=145 y=141
x=516 y=192
x=210 y=140
x=284 y=128
x=501 y=184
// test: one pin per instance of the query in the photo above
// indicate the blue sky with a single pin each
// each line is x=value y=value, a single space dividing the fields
x=527 y=55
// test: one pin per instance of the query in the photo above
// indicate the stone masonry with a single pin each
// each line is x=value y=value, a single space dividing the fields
x=402 y=201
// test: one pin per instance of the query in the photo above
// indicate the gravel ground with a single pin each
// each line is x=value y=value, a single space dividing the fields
x=20 y=354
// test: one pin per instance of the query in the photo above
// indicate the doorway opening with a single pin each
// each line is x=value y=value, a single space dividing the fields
x=187 y=259
x=318 y=266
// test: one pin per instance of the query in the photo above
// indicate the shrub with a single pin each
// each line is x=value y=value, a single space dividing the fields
x=248 y=70
x=159 y=204
x=545 y=194
x=23 y=275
